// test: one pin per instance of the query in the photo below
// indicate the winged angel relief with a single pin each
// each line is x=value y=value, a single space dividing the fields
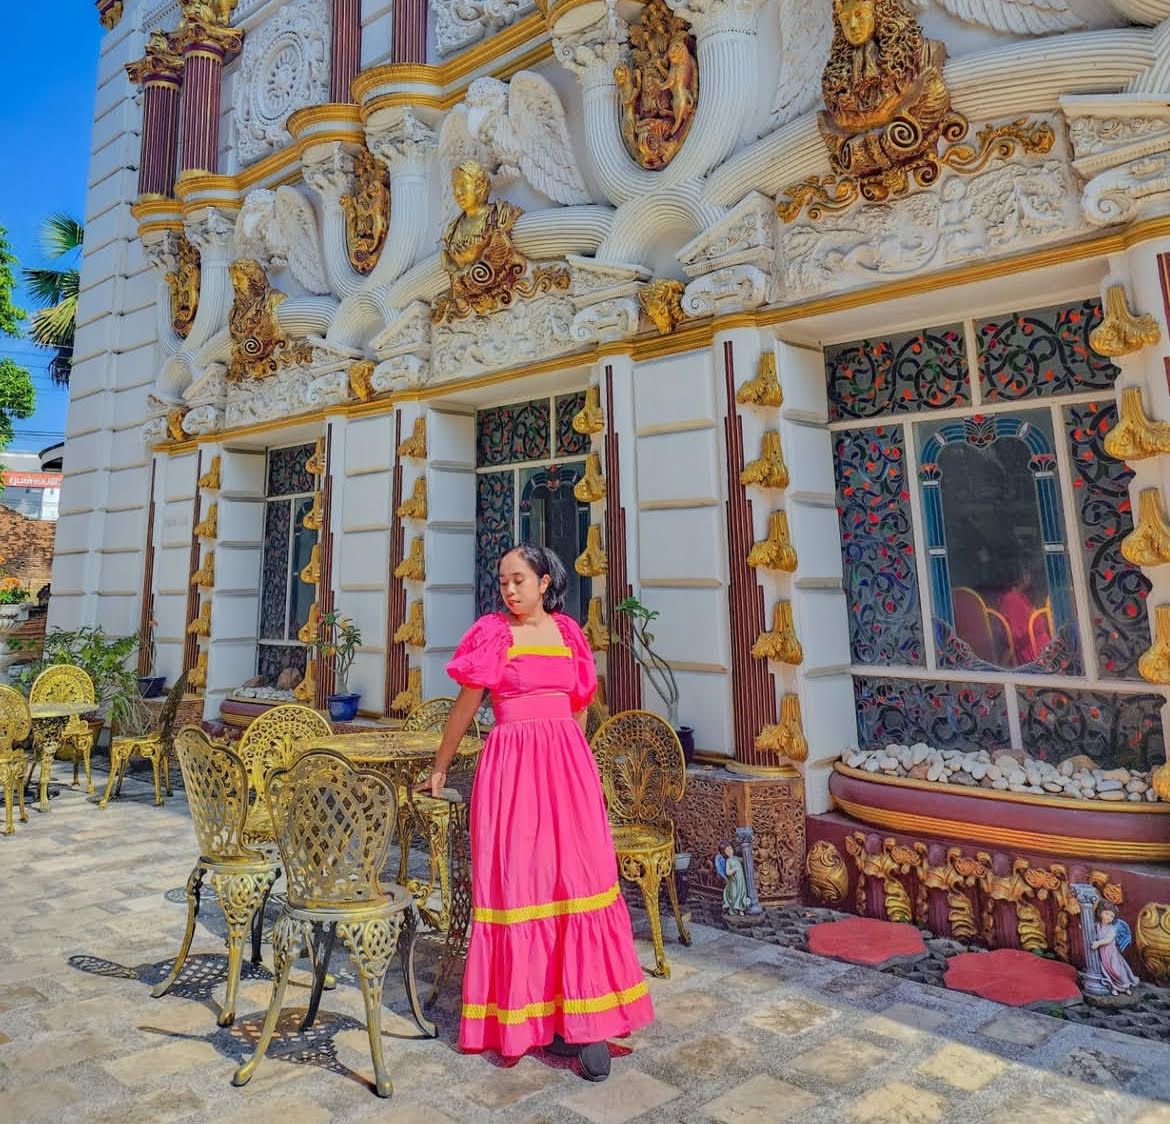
x=807 y=29
x=279 y=230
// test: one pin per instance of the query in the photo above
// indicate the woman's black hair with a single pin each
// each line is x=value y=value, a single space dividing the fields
x=543 y=561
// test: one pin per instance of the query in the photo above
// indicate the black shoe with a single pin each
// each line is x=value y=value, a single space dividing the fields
x=594 y=1061
x=562 y=1049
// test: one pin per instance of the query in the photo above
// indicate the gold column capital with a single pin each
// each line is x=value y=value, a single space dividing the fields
x=162 y=63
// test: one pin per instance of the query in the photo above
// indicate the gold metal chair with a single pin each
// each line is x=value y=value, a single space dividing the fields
x=431 y=717
x=217 y=792
x=333 y=827
x=15 y=726
x=267 y=743
x=154 y=747
x=642 y=774
x=66 y=683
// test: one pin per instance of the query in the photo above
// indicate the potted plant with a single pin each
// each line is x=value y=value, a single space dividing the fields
x=150 y=686
x=104 y=658
x=658 y=671
x=337 y=640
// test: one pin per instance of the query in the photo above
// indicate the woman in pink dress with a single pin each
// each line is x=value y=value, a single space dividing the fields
x=551 y=959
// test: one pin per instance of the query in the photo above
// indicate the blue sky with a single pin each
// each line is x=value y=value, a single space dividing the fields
x=47 y=87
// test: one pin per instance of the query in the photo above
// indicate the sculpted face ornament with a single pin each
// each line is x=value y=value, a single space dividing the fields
x=659 y=88
x=486 y=271
x=367 y=212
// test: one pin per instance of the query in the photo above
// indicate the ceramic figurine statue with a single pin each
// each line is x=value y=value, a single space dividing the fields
x=1112 y=939
x=729 y=867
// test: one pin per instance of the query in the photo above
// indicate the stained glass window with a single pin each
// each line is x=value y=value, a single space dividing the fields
x=944 y=715
x=508 y=434
x=570 y=443
x=1116 y=731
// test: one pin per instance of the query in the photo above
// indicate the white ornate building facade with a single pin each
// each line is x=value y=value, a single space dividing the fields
x=845 y=302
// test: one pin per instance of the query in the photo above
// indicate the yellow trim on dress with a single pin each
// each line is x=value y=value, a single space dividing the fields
x=546 y=909
x=538 y=650
x=592 y=1006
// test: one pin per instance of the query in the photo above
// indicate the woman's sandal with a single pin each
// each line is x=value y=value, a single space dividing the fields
x=594 y=1061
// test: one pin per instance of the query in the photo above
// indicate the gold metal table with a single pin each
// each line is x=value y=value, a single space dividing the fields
x=404 y=759
x=50 y=721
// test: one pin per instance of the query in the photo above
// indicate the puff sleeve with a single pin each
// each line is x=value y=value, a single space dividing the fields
x=479 y=660
x=584 y=669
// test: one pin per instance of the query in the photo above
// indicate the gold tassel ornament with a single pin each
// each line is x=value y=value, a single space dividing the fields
x=416 y=444
x=412 y=630
x=1148 y=544
x=1136 y=435
x=415 y=505
x=413 y=567
x=781 y=643
x=201 y=625
x=1154 y=662
x=405 y=701
x=591 y=487
x=776 y=551
x=769 y=471
x=764 y=389
x=209 y=481
x=589 y=419
x=596 y=631
x=315 y=465
x=592 y=563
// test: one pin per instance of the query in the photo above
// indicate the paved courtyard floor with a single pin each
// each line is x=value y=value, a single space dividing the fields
x=91 y=911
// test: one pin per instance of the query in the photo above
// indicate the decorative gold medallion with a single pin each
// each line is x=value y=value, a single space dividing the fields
x=1136 y=435
x=764 y=389
x=659 y=88
x=259 y=345
x=1148 y=544
x=412 y=631
x=416 y=444
x=661 y=300
x=486 y=271
x=591 y=563
x=781 y=643
x=1152 y=937
x=183 y=283
x=769 y=471
x=367 y=211
x=591 y=487
x=415 y=505
x=1121 y=332
x=589 y=419
x=776 y=551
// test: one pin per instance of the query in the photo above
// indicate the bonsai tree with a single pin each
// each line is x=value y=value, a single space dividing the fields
x=641 y=645
x=337 y=640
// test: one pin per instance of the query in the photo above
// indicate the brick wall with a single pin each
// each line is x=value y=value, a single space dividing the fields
x=26 y=545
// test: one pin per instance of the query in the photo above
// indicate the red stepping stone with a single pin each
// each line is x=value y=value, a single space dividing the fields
x=862 y=940
x=1014 y=977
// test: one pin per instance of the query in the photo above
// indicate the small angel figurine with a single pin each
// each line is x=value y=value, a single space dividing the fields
x=729 y=867
x=1113 y=937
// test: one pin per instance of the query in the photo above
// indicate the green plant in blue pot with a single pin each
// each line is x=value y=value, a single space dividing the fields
x=337 y=643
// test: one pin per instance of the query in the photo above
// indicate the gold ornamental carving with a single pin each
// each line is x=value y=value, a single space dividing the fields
x=786 y=738
x=201 y=625
x=197 y=676
x=591 y=562
x=1136 y=435
x=183 y=282
x=1122 y=332
x=209 y=22
x=884 y=867
x=415 y=505
x=416 y=444
x=175 y=423
x=315 y=465
x=315 y=516
x=308 y=632
x=413 y=567
x=259 y=346
x=412 y=631
x=209 y=527
x=210 y=479
x=1148 y=544
x=1152 y=937
x=595 y=629
x=204 y=577
x=776 y=551
x=589 y=419
x=1154 y=662
x=408 y=698
x=111 y=15
x=306 y=689
x=661 y=301
x=658 y=88
x=828 y=877
x=780 y=643
x=769 y=471
x=311 y=573
x=367 y=211
x=359 y=375
x=160 y=58
x=764 y=389
x=591 y=487
x=486 y=271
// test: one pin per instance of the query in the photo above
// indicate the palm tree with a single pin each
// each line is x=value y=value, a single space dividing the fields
x=55 y=290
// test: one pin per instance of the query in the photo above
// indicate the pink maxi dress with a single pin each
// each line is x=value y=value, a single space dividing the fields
x=551 y=948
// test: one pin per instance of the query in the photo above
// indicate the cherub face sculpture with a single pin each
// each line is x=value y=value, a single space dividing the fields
x=857 y=19
x=470 y=185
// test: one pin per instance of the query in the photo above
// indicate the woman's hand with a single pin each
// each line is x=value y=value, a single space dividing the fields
x=437 y=782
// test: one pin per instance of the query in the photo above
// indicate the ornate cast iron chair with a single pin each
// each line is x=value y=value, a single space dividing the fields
x=432 y=715
x=333 y=826
x=217 y=792
x=267 y=743
x=642 y=775
x=16 y=726
x=154 y=747
x=66 y=683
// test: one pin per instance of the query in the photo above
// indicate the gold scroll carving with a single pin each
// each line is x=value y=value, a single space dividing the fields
x=1122 y=332
x=359 y=379
x=1136 y=435
x=591 y=487
x=781 y=642
x=486 y=271
x=416 y=444
x=769 y=471
x=259 y=346
x=661 y=300
x=1148 y=544
x=828 y=877
x=590 y=419
x=210 y=479
x=591 y=562
x=160 y=57
x=1154 y=662
x=659 y=87
x=776 y=551
x=183 y=282
x=175 y=423
x=413 y=629
x=764 y=389
x=367 y=211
